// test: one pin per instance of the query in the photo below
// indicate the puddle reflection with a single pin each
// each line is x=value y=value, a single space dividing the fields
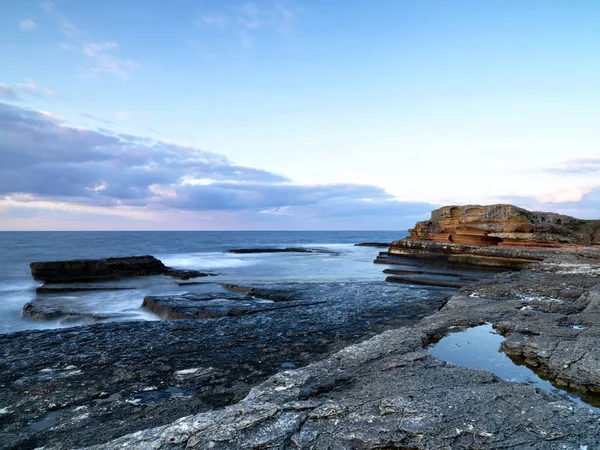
x=477 y=348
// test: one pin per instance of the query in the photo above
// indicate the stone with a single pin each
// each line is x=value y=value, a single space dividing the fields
x=282 y=250
x=504 y=225
x=85 y=270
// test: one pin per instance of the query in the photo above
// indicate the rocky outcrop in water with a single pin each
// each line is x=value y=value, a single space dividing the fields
x=80 y=270
x=503 y=236
x=282 y=250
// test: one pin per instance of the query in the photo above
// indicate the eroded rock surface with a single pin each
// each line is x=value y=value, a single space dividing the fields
x=88 y=385
x=503 y=225
x=390 y=392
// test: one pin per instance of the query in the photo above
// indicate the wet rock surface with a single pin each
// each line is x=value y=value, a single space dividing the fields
x=390 y=392
x=202 y=306
x=85 y=270
x=259 y=293
x=88 y=385
x=49 y=310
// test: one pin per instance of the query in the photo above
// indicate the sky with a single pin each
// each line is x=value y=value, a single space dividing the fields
x=285 y=114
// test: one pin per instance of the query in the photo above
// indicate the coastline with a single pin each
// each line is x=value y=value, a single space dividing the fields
x=390 y=391
x=301 y=379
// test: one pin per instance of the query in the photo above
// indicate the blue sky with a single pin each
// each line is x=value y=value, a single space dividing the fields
x=294 y=114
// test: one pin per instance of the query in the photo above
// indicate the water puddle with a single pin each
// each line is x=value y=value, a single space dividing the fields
x=477 y=348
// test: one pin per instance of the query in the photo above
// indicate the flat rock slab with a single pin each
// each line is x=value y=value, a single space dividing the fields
x=259 y=293
x=282 y=250
x=373 y=244
x=85 y=270
x=202 y=306
x=52 y=310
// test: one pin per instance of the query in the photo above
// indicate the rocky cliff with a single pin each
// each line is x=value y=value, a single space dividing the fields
x=502 y=225
x=496 y=235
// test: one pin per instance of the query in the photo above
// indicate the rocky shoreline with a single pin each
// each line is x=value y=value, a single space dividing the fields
x=285 y=374
x=390 y=392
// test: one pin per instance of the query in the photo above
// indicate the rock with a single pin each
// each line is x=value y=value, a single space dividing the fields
x=202 y=306
x=504 y=225
x=461 y=254
x=186 y=274
x=373 y=244
x=426 y=282
x=53 y=311
x=387 y=392
x=83 y=270
x=282 y=250
x=109 y=379
x=259 y=293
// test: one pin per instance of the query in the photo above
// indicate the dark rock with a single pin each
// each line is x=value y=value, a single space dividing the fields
x=83 y=270
x=282 y=250
x=373 y=244
x=51 y=311
x=110 y=379
x=426 y=282
x=259 y=293
x=186 y=274
x=96 y=269
x=202 y=306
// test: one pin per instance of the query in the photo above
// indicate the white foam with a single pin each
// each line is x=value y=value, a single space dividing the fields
x=206 y=261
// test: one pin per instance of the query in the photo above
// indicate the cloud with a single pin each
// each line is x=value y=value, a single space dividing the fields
x=97 y=118
x=28 y=87
x=212 y=21
x=123 y=114
x=45 y=161
x=99 y=56
x=579 y=166
x=245 y=20
x=26 y=25
x=102 y=61
x=7 y=93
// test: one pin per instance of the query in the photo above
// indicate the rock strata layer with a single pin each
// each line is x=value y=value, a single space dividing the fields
x=84 y=270
x=502 y=225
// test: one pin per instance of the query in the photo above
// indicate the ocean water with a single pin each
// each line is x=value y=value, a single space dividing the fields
x=202 y=250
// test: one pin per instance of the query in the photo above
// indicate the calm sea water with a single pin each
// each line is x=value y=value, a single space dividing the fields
x=203 y=250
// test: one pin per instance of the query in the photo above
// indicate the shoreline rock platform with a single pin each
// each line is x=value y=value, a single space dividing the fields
x=165 y=385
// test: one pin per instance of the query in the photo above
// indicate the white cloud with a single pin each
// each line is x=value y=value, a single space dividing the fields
x=29 y=87
x=101 y=61
x=26 y=25
x=99 y=55
x=123 y=115
x=246 y=19
x=564 y=195
x=216 y=21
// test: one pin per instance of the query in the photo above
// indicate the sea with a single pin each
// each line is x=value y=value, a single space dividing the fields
x=202 y=250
